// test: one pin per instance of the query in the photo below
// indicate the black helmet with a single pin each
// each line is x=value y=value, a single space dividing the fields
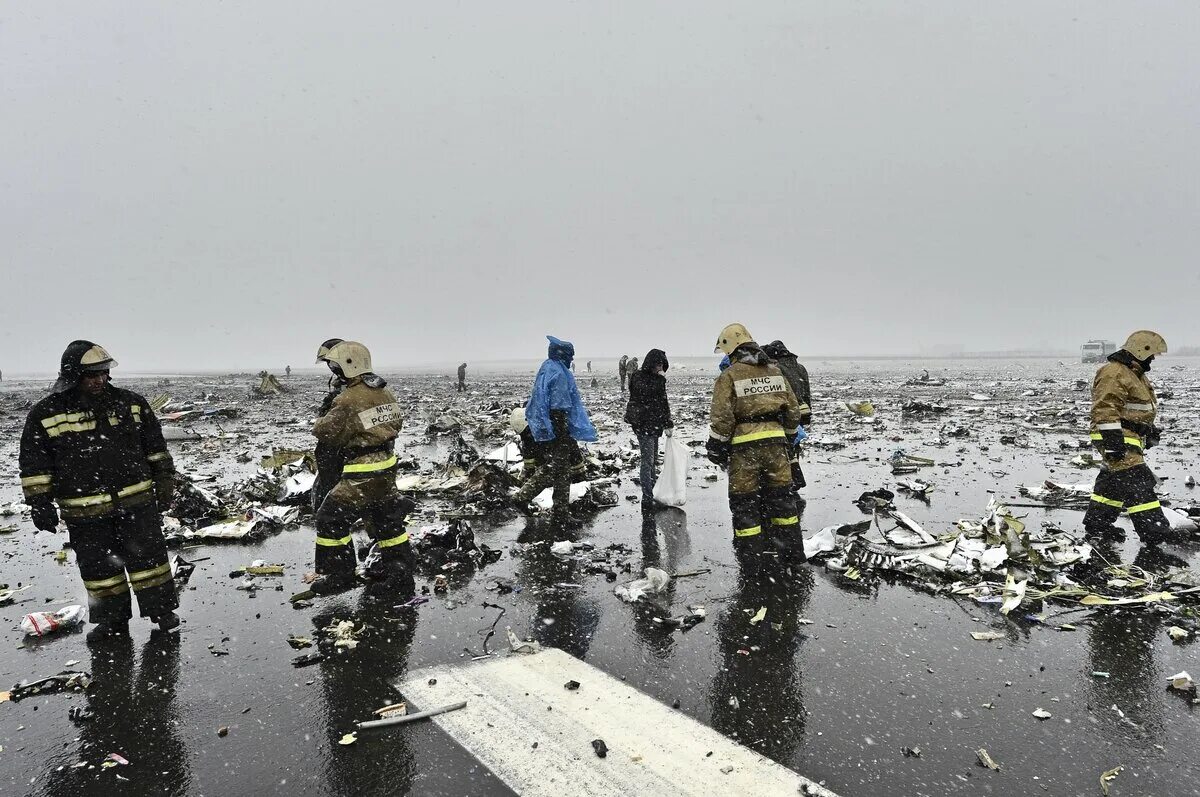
x=776 y=350
x=80 y=357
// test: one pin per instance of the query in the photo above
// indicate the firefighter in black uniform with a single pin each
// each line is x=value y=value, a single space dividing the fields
x=329 y=459
x=98 y=452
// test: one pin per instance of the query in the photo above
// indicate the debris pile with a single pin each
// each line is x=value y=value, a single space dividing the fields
x=996 y=560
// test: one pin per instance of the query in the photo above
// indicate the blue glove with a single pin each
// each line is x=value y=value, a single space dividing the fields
x=800 y=435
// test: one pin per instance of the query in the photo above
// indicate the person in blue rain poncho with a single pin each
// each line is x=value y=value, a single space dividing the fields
x=557 y=419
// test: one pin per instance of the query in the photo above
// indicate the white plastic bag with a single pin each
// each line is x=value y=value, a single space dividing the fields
x=46 y=623
x=655 y=582
x=671 y=487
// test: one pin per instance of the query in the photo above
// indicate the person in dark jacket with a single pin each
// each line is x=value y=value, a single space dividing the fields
x=97 y=451
x=649 y=414
x=623 y=370
x=797 y=379
x=329 y=460
x=462 y=378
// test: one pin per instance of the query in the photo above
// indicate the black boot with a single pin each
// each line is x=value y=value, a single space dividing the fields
x=1105 y=533
x=166 y=622
x=103 y=632
x=331 y=583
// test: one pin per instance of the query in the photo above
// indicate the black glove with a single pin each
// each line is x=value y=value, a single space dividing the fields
x=806 y=420
x=164 y=492
x=1113 y=442
x=45 y=516
x=718 y=452
x=1153 y=437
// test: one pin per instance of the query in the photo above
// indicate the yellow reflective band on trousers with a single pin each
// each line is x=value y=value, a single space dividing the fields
x=370 y=467
x=390 y=541
x=753 y=436
x=161 y=455
x=30 y=481
x=104 y=587
x=750 y=532
x=104 y=498
x=785 y=521
x=1107 y=501
x=1144 y=507
x=144 y=579
x=107 y=587
x=333 y=542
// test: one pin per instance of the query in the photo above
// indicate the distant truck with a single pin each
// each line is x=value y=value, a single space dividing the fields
x=1096 y=351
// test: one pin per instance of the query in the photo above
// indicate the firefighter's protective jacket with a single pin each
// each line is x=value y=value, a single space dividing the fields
x=93 y=455
x=752 y=402
x=1123 y=411
x=363 y=424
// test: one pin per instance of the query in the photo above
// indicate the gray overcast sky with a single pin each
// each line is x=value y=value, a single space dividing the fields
x=221 y=185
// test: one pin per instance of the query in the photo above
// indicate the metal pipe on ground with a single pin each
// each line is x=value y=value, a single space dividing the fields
x=420 y=715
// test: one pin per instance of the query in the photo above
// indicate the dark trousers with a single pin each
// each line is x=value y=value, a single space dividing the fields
x=384 y=512
x=120 y=550
x=462 y=386
x=760 y=495
x=1131 y=491
x=552 y=470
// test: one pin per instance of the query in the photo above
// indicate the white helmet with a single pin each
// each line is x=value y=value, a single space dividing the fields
x=516 y=420
x=351 y=358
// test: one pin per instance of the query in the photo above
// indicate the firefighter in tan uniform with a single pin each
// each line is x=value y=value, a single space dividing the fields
x=362 y=423
x=97 y=451
x=754 y=418
x=1123 y=414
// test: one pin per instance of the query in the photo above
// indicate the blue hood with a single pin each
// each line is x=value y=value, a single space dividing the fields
x=561 y=350
x=554 y=389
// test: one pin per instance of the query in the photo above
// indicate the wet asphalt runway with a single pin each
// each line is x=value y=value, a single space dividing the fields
x=842 y=678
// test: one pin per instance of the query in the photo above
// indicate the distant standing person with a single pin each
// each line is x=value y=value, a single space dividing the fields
x=631 y=366
x=557 y=418
x=623 y=370
x=589 y=366
x=287 y=371
x=462 y=378
x=797 y=379
x=650 y=416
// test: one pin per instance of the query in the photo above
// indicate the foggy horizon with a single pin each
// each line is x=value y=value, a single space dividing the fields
x=221 y=188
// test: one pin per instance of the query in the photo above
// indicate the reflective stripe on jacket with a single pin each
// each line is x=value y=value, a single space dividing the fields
x=363 y=423
x=91 y=453
x=752 y=402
